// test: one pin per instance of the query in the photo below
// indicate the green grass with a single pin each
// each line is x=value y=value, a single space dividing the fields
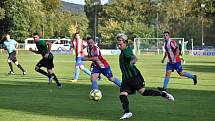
x=30 y=98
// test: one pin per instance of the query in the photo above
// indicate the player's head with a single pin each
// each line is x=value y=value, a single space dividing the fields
x=90 y=42
x=36 y=36
x=122 y=40
x=6 y=36
x=77 y=36
x=166 y=35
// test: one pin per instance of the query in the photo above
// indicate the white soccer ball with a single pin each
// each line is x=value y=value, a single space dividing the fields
x=95 y=95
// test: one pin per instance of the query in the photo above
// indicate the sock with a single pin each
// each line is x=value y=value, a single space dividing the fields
x=166 y=81
x=20 y=67
x=77 y=72
x=148 y=92
x=125 y=103
x=186 y=74
x=94 y=85
x=11 y=66
x=42 y=72
x=117 y=82
x=85 y=70
x=55 y=78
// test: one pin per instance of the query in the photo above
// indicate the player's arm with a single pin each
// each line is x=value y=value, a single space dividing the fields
x=177 y=51
x=4 y=47
x=164 y=57
x=129 y=55
x=133 y=59
x=34 y=51
x=87 y=58
x=16 y=44
x=49 y=49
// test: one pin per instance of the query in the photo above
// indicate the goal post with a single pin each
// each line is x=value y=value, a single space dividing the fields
x=155 y=45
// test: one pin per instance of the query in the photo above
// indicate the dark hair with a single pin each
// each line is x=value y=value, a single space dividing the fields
x=166 y=32
x=4 y=36
x=36 y=33
x=88 y=38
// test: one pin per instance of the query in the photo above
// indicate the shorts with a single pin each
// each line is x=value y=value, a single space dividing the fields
x=176 y=66
x=79 y=61
x=105 y=71
x=45 y=62
x=12 y=56
x=131 y=85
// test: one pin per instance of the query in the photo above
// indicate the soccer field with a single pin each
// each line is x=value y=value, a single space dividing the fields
x=30 y=98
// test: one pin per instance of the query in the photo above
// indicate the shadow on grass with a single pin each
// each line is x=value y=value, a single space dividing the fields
x=72 y=102
x=200 y=68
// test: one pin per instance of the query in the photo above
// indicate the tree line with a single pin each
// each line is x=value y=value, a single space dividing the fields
x=191 y=19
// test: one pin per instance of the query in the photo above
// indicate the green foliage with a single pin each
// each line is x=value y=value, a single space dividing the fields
x=30 y=98
x=23 y=17
x=130 y=19
x=2 y=13
x=92 y=10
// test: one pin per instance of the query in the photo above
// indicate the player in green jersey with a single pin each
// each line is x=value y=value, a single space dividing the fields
x=44 y=49
x=132 y=79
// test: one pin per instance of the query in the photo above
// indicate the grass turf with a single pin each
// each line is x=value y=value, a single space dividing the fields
x=30 y=98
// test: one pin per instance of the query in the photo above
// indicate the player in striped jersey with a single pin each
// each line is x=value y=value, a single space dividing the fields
x=100 y=65
x=172 y=52
x=132 y=79
x=79 y=45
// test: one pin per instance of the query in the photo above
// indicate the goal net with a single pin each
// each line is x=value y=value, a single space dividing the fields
x=153 y=45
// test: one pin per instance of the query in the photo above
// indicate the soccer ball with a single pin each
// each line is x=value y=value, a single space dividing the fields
x=95 y=95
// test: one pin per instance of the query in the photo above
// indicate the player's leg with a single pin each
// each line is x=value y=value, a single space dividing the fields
x=169 y=68
x=13 y=58
x=10 y=58
x=93 y=79
x=115 y=80
x=52 y=75
x=77 y=72
x=38 y=67
x=20 y=67
x=138 y=84
x=77 y=69
x=108 y=73
x=124 y=100
x=85 y=70
x=10 y=66
x=186 y=74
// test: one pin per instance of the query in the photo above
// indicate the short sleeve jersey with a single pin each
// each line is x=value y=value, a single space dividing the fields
x=43 y=48
x=170 y=48
x=95 y=52
x=128 y=70
x=10 y=45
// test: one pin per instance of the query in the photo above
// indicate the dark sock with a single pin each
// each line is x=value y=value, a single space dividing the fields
x=163 y=94
x=42 y=72
x=20 y=67
x=125 y=103
x=11 y=66
x=148 y=92
x=56 y=80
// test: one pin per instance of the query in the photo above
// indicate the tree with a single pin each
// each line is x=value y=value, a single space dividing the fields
x=131 y=17
x=92 y=9
x=2 y=13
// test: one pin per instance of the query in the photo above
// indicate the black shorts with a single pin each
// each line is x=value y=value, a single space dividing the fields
x=131 y=85
x=12 y=56
x=45 y=62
